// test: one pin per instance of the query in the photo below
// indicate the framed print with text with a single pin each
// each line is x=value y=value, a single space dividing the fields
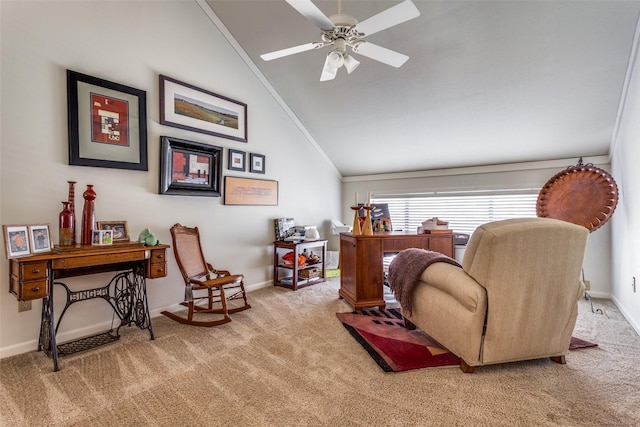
x=250 y=191
x=188 y=107
x=107 y=123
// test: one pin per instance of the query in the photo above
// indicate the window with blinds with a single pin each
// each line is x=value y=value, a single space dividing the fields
x=464 y=211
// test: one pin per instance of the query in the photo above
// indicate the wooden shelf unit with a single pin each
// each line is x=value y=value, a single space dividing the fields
x=288 y=276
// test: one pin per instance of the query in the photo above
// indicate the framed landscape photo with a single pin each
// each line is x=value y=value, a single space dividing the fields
x=107 y=123
x=40 y=238
x=16 y=240
x=119 y=229
x=188 y=107
x=237 y=160
x=257 y=163
x=249 y=191
x=189 y=168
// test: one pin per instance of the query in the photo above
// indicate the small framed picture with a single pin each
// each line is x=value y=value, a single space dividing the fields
x=119 y=229
x=102 y=237
x=40 y=238
x=237 y=160
x=16 y=240
x=257 y=163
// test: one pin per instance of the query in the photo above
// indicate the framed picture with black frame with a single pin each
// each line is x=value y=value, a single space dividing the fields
x=189 y=107
x=107 y=123
x=257 y=163
x=190 y=168
x=237 y=160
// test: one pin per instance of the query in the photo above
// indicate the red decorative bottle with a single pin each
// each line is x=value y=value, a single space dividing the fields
x=66 y=222
x=88 y=215
x=72 y=206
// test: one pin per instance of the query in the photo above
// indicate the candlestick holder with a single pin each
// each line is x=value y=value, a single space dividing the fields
x=356 y=231
x=367 y=229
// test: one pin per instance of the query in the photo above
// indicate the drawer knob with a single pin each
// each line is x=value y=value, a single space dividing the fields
x=35 y=271
x=160 y=256
x=36 y=289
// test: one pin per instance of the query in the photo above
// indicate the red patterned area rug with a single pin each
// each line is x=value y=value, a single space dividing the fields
x=395 y=348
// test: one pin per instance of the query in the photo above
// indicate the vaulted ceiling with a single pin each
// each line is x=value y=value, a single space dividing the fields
x=487 y=82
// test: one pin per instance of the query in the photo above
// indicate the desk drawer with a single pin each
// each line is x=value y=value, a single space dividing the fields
x=157 y=270
x=158 y=256
x=29 y=290
x=29 y=270
x=400 y=244
x=34 y=290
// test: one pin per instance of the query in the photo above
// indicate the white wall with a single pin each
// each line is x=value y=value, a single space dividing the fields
x=625 y=163
x=132 y=42
x=597 y=265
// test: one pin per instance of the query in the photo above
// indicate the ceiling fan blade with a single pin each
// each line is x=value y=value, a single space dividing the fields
x=291 y=50
x=312 y=13
x=328 y=72
x=380 y=53
x=388 y=18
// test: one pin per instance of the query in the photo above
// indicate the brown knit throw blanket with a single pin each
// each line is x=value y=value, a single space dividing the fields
x=405 y=271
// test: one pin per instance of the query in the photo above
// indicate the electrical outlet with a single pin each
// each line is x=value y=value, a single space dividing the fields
x=587 y=285
x=24 y=306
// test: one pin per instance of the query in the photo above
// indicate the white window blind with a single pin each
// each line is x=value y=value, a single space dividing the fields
x=465 y=210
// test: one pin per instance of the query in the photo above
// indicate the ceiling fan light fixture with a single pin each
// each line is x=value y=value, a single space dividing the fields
x=350 y=63
x=328 y=71
x=335 y=59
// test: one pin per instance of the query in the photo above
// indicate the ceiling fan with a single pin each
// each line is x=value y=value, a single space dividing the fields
x=342 y=31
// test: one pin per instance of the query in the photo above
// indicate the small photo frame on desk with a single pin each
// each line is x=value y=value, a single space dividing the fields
x=102 y=237
x=16 y=240
x=40 y=238
x=119 y=229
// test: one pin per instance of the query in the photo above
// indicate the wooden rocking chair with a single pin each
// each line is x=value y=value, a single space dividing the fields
x=203 y=282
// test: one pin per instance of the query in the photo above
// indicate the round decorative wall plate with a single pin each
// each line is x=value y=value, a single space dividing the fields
x=585 y=195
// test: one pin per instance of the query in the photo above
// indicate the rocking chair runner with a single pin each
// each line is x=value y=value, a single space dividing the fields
x=203 y=282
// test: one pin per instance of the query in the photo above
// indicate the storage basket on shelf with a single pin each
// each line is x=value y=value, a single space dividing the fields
x=309 y=273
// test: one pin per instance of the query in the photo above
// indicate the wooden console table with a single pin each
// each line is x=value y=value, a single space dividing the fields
x=33 y=277
x=361 y=267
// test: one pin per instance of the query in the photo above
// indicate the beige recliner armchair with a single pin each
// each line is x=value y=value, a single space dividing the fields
x=515 y=297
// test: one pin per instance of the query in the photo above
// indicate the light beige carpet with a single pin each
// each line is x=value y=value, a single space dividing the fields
x=289 y=361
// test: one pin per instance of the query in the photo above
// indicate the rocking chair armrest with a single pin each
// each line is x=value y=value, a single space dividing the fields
x=218 y=272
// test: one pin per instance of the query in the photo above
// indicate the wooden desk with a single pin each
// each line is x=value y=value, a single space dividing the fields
x=361 y=267
x=34 y=277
